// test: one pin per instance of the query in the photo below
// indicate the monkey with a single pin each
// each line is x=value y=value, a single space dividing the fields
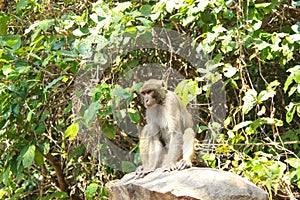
x=167 y=140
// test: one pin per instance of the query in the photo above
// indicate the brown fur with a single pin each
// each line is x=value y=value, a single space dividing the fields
x=167 y=139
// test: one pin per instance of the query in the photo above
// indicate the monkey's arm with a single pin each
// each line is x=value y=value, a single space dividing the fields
x=144 y=149
x=151 y=151
x=151 y=157
x=188 y=149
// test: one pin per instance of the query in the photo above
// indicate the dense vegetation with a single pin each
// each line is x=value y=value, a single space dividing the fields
x=253 y=46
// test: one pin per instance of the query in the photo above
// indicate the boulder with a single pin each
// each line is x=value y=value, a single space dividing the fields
x=193 y=183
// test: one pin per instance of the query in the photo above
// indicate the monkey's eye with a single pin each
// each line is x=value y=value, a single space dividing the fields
x=149 y=91
x=146 y=92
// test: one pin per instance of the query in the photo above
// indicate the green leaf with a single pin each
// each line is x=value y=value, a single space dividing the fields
x=229 y=71
x=227 y=121
x=146 y=10
x=81 y=32
x=203 y=4
x=202 y=128
x=145 y=22
x=186 y=87
x=294 y=76
x=170 y=5
x=287 y=83
x=28 y=157
x=291 y=108
x=91 y=112
x=257 y=25
x=294 y=162
x=297 y=76
x=134 y=115
x=17 y=194
x=293 y=90
x=77 y=33
x=55 y=195
x=133 y=63
x=188 y=20
x=296 y=27
x=249 y=100
x=53 y=83
x=68 y=109
x=265 y=95
x=131 y=29
x=241 y=125
x=2 y=192
x=122 y=6
x=38 y=158
x=295 y=38
x=121 y=93
x=128 y=167
x=91 y=190
x=21 y=5
x=268 y=120
x=29 y=115
x=85 y=49
x=3 y=29
x=12 y=41
x=252 y=128
x=72 y=131
x=46 y=24
x=262 y=111
x=7 y=69
x=37 y=27
x=109 y=130
x=6 y=176
x=136 y=87
x=262 y=5
x=273 y=85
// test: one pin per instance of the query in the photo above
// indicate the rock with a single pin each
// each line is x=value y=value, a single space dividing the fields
x=193 y=183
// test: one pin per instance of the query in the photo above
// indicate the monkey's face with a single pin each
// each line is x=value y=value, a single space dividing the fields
x=153 y=92
x=149 y=98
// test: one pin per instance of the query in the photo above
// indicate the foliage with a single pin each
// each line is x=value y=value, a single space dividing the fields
x=254 y=48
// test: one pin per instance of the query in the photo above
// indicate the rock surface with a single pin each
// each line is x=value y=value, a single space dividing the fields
x=193 y=183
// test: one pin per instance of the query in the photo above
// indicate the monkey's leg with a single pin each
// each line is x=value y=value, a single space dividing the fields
x=188 y=149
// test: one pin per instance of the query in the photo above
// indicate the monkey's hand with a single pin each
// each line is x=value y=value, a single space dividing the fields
x=180 y=165
x=183 y=164
x=140 y=172
x=169 y=168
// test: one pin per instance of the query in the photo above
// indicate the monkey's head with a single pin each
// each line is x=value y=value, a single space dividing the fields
x=153 y=92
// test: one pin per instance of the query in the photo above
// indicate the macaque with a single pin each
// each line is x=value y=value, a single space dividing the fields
x=167 y=140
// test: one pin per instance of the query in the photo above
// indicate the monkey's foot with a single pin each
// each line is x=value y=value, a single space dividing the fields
x=183 y=164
